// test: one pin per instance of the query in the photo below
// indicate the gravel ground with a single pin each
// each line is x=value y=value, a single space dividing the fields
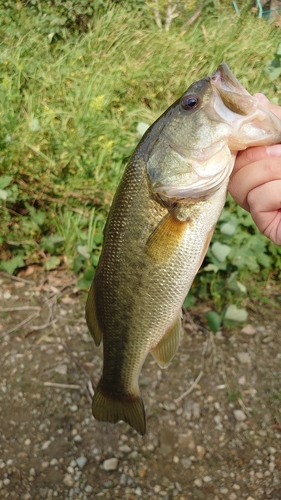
x=221 y=440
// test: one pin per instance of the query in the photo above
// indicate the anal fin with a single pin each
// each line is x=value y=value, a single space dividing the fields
x=166 y=349
x=111 y=409
x=91 y=317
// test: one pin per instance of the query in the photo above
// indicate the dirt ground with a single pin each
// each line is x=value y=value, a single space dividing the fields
x=213 y=417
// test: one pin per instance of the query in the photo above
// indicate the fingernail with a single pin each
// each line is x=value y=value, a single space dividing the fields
x=274 y=151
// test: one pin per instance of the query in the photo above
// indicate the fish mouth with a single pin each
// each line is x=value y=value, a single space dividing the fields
x=231 y=103
x=232 y=93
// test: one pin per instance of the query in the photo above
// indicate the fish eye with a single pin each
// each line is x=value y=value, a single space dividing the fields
x=190 y=102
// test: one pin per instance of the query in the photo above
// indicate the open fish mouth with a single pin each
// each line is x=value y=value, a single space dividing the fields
x=232 y=93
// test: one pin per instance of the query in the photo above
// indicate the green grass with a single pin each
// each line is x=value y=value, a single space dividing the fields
x=69 y=111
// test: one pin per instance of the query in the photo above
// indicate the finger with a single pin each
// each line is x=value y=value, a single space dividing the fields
x=251 y=176
x=265 y=207
x=250 y=155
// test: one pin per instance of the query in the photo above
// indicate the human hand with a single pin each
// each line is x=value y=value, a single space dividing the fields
x=256 y=182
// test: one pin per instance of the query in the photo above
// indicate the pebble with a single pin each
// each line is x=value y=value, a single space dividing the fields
x=88 y=488
x=73 y=408
x=249 y=330
x=244 y=357
x=61 y=369
x=45 y=445
x=207 y=479
x=77 y=438
x=110 y=464
x=198 y=483
x=201 y=451
x=81 y=462
x=68 y=480
x=239 y=415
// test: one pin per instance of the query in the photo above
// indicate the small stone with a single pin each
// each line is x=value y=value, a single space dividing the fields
x=198 y=483
x=249 y=330
x=176 y=459
x=200 y=451
x=271 y=450
x=224 y=490
x=110 y=464
x=186 y=463
x=68 y=480
x=45 y=464
x=61 y=369
x=6 y=481
x=54 y=461
x=27 y=442
x=81 y=462
x=196 y=410
x=45 y=445
x=125 y=448
x=73 y=408
x=77 y=438
x=242 y=380
x=32 y=471
x=244 y=357
x=207 y=479
x=250 y=498
x=232 y=496
x=88 y=488
x=239 y=415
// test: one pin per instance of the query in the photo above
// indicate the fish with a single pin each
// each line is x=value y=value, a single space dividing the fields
x=158 y=231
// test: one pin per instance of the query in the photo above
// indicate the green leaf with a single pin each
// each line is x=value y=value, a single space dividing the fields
x=220 y=251
x=83 y=250
x=3 y=194
x=5 y=180
x=189 y=300
x=52 y=243
x=235 y=314
x=228 y=228
x=213 y=320
x=11 y=265
x=52 y=263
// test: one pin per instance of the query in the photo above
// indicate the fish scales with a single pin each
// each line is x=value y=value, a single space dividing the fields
x=156 y=236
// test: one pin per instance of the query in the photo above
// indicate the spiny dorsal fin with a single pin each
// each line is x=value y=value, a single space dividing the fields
x=165 y=350
x=130 y=409
x=91 y=317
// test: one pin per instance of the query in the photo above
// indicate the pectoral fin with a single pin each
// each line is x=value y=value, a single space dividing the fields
x=166 y=237
x=91 y=317
x=165 y=350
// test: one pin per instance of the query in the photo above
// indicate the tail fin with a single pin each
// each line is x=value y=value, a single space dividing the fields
x=109 y=409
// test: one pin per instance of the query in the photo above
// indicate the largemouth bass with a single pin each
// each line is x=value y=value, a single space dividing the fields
x=159 y=229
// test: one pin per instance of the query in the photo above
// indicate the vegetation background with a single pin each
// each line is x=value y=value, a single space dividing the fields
x=79 y=82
